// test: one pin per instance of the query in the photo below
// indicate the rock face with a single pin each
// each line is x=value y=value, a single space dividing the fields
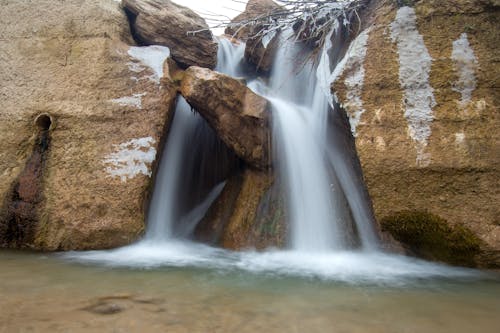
x=249 y=213
x=239 y=116
x=420 y=86
x=81 y=119
x=253 y=10
x=260 y=50
x=162 y=22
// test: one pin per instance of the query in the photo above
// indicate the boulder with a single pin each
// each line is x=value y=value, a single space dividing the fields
x=82 y=117
x=254 y=10
x=239 y=116
x=162 y=22
x=420 y=87
x=260 y=50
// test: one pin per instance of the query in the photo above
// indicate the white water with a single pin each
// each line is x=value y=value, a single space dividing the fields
x=318 y=208
x=314 y=167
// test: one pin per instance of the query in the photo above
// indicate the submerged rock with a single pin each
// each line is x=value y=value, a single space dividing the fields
x=71 y=64
x=427 y=135
x=239 y=116
x=105 y=308
x=162 y=22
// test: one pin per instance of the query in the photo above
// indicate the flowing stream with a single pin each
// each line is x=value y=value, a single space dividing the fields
x=332 y=277
x=328 y=241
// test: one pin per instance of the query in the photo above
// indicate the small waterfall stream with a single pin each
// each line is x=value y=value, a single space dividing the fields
x=169 y=215
x=318 y=210
x=332 y=234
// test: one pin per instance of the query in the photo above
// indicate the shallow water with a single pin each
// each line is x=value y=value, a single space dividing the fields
x=208 y=290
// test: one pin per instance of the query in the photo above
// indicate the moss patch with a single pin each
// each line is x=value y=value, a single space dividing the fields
x=431 y=237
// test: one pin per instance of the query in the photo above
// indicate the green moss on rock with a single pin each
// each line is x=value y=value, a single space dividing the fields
x=431 y=237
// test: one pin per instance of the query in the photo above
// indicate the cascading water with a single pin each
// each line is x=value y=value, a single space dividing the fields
x=191 y=142
x=319 y=188
x=328 y=213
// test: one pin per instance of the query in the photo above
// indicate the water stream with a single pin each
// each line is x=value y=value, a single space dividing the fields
x=328 y=241
x=331 y=278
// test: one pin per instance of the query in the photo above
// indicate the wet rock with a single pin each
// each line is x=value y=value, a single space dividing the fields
x=239 y=116
x=19 y=213
x=105 y=308
x=433 y=238
x=260 y=52
x=447 y=161
x=162 y=22
x=249 y=213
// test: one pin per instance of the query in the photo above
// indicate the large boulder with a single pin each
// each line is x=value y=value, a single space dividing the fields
x=239 y=116
x=162 y=22
x=242 y=26
x=82 y=117
x=420 y=85
x=260 y=48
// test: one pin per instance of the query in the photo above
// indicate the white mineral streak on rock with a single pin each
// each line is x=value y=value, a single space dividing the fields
x=150 y=56
x=460 y=138
x=353 y=63
x=414 y=68
x=131 y=158
x=134 y=100
x=465 y=63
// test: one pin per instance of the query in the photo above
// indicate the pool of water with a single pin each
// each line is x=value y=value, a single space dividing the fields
x=208 y=290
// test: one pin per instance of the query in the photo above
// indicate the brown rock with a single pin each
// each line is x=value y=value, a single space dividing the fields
x=261 y=55
x=247 y=27
x=163 y=22
x=254 y=10
x=459 y=180
x=249 y=213
x=239 y=116
x=69 y=61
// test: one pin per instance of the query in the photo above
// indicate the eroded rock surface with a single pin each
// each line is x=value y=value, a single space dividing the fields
x=162 y=22
x=239 y=116
x=428 y=135
x=73 y=62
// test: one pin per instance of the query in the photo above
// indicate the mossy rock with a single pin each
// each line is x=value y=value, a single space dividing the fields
x=432 y=237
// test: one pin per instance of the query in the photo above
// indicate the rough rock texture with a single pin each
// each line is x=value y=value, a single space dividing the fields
x=260 y=50
x=253 y=10
x=162 y=22
x=428 y=135
x=249 y=213
x=260 y=53
x=70 y=62
x=239 y=116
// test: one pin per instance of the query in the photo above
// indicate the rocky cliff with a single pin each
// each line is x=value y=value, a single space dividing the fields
x=420 y=84
x=82 y=115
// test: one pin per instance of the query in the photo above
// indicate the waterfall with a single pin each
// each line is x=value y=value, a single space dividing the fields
x=326 y=207
x=186 y=185
x=317 y=170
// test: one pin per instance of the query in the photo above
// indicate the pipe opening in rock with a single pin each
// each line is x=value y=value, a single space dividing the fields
x=43 y=122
